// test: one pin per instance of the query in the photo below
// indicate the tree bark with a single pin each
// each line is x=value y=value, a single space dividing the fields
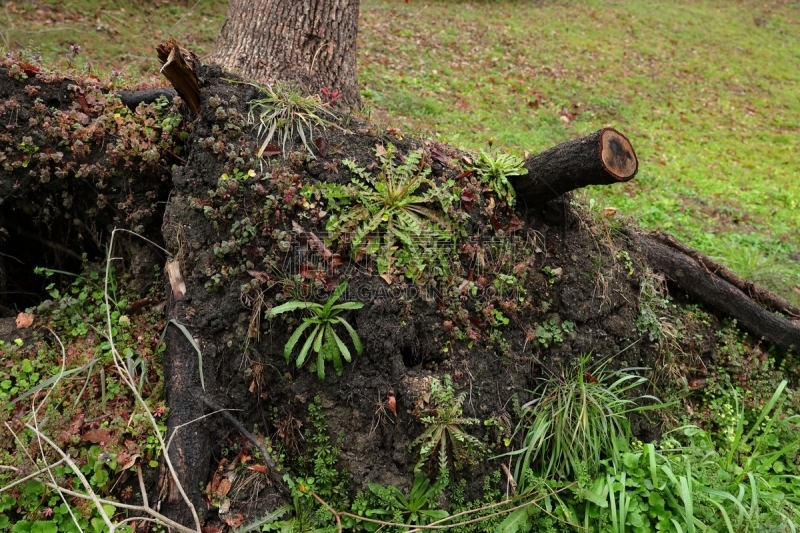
x=602 y=158
x=309 y=42
x=716 y=293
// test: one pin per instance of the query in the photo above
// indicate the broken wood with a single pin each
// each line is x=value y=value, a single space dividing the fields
x=178 y=66
x=602 y=158
x=758 y=293
x=715 y=292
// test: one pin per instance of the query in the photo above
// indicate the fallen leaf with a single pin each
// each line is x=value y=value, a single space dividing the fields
x=440 y=157
x=261 y=469
x=610 y=211
x=223 y=487
x=260 y=276
x=97 y=436
x=24 y=320
x=233 y=521
x=322 y=146
x=130 y=462
x=271 y=151
x=380 y=150
x=387 y=278
x=391 y=404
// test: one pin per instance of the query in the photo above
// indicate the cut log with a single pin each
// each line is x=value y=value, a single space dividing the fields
x=711 y=290
x=768 y=299
x=178 y=66
x=602 y=158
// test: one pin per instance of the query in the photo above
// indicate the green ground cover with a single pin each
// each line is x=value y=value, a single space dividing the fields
x=707 y=91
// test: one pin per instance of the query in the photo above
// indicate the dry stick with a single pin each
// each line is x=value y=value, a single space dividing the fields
x=158 y=517
x=132 y=386
x=29 y=476
x=139 y=474
x=34 y=412
x=273 y=468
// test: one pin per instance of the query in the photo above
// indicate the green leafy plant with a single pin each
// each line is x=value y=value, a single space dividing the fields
x=493 y=170
x=390 y=504
x=403 y=203
x=284 y=111
x=323 y=338
x=577 y=419
x=551 y=333
x=443 y=431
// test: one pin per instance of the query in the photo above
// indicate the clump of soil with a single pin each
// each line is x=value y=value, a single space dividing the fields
x=527 y=292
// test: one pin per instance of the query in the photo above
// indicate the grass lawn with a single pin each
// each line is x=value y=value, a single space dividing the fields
x=707 y=91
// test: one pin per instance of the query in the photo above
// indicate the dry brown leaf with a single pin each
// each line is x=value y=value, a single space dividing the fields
x=261 y=469
x=97 y=436
x=234 y=520
x=223 y=488
x=24 y=320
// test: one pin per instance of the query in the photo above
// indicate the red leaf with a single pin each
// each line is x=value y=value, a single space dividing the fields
x=28 y=68
x=391 y=404
x=439 y=156
x=465 y=174
x=495 y=223
x=322 y=146
x=271 y=151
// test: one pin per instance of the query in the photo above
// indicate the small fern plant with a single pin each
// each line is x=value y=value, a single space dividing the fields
x=400 y=214
x=443 y=437
x=493 y=170
x=323 y=338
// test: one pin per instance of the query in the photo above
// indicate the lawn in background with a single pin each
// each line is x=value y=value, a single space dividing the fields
x=708 y=92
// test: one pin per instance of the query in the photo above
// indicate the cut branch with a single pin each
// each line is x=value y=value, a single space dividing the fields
x=602 y=158
x=705 y=286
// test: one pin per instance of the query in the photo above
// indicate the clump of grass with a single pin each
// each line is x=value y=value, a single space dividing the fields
x=284 y=111
x=578 y=419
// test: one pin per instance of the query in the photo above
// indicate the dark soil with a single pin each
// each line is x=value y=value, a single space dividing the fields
x=566 y=265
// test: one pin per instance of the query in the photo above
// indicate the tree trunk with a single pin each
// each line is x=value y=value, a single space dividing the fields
x=602 y=158
x=310 y=42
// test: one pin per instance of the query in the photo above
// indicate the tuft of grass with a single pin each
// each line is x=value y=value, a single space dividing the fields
x=282 y=110
x=578 y=419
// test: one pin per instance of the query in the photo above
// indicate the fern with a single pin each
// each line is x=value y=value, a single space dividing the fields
x=400 y=214
x=443 y=433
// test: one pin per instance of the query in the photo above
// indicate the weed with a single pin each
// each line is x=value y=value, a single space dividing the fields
x=493 y=170
x=405 y=205
x=284 y=111
x=577 y=419
x=443 y=432
x=551 y=333
x=323 y=337
x=390 y=504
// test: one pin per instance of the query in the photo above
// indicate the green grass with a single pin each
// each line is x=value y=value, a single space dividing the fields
x=707 y=96
x=705 y=90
